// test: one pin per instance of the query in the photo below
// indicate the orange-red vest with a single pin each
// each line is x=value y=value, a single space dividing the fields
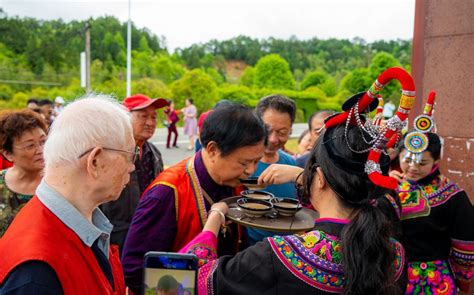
x=37 y=234
x=188 y=215
x=191 y=213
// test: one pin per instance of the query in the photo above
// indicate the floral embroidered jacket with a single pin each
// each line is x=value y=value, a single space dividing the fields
x=306 y=264
x=10 y=203
x=438 y=234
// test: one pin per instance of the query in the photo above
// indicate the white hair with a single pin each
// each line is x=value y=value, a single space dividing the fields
x=92 y=121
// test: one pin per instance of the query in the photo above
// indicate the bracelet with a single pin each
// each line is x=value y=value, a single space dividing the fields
x=220 y=213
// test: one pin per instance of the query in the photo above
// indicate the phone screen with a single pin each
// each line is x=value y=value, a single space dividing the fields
x=170 y=274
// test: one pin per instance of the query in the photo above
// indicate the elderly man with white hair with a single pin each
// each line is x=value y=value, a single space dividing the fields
x=59 y=242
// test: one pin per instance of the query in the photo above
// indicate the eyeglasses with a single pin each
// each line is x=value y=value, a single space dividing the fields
x=32 y=146
x=134 y=155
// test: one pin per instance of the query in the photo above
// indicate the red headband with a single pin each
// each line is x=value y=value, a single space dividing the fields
x=393 y=125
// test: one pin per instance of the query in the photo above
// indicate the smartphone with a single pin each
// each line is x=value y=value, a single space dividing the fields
x=170 y=274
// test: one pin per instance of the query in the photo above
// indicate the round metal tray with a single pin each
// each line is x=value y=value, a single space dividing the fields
x=302 y=221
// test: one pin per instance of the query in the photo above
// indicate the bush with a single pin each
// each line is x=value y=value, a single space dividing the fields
x=299 y=118
x=247 y=76
x=272 y=71
x=215 y=75
x=315 y=78
x=237 y=94
x=357 y=81
x=151 y=88
x=197 y=85
x=380 y=63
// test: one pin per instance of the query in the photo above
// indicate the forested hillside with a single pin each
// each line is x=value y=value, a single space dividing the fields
x=41 y=59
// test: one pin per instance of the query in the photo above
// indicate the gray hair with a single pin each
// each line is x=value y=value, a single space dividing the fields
x=95 y=120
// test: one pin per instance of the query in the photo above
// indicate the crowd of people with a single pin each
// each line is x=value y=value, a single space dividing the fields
x=86 y=196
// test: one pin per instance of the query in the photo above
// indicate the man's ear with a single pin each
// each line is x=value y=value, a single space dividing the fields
x=212 y=150
x=93 y=161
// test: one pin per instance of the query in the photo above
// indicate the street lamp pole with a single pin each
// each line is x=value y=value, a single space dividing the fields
x=129 y=51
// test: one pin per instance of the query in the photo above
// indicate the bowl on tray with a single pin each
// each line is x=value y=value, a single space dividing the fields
x=251 y=183
x=286 y=206
x=258 y=195
x=254 y=207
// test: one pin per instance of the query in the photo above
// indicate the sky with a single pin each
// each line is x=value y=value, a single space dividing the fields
x=184 y=23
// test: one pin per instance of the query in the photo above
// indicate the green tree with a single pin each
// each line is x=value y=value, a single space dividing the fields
x=248 y=76
x=197 y=85
x=272 y=71
x=357 y=81
x=314 y=78
x=380 y=63
x=151 y=88
x=216 y=76
x=238 y=94
x=143 y=45
x=329 y=86
x=166 y=68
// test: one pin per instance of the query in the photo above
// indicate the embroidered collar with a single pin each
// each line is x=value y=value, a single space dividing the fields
x=315 y=257
x=417 y=198
x=332 y=226
x=201 y=180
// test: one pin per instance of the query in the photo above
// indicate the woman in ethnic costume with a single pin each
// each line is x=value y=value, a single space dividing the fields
x=22 y=137
x=351 y=249
x=437 y=217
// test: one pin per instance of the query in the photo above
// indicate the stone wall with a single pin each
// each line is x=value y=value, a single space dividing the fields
x=443 y=61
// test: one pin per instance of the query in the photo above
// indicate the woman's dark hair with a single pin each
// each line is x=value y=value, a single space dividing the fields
x=434 y=144
x=190 y=100
x=368 y=254
x=232 y=127
x=279 y=103
x=32 y=100
x=302 y=135
x=167 y=282
x=44 y=102
x=14 y=123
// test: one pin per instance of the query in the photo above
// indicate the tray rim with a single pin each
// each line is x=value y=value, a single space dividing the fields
x=231 y=201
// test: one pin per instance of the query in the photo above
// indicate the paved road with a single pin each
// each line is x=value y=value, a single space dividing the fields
x=174 y=155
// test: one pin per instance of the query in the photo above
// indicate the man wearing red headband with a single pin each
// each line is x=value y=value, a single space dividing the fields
x=147 y=166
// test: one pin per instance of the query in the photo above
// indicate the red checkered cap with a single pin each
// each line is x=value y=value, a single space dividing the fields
x=139 y=102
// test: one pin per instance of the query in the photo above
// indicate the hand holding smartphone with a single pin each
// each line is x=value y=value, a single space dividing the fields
x=170 y=274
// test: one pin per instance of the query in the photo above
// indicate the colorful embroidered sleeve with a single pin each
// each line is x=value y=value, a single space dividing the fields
x=462 y=262
x=461 y=256
x=203 y=246
x=232 y=274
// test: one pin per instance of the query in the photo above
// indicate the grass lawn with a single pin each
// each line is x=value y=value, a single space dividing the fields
x=292 y=145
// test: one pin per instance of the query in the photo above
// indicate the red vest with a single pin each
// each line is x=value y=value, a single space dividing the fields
x=191 y=213
x=37 y=234
x=187 y=213
x=4 y=164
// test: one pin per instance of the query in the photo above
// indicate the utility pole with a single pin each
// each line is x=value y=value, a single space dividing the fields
x=88 y=57
x=129 y=51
